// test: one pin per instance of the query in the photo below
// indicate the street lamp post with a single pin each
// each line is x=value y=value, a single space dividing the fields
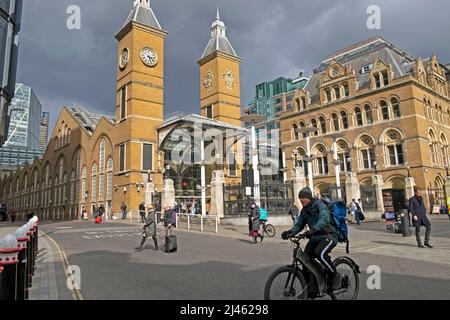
x=308 y=131
x=253 y=119
x=336 y=162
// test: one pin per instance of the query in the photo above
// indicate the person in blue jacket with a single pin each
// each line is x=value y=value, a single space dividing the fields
x=322 y=234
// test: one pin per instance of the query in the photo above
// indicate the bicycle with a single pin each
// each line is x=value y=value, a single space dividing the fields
x=305 y=278
x=268 y=229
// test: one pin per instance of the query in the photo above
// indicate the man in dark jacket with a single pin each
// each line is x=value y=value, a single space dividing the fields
x=293 y=212
x=419 y=217
x=322 y=234
x=142 y=212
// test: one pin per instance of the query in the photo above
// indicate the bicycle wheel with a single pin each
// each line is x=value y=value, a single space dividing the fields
x=350 y=280
x=269 y=230
x=284 y=285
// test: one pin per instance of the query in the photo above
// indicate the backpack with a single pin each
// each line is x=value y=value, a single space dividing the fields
x=338 y=213
x=263 y=214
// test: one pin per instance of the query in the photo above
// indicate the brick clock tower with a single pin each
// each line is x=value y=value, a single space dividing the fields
x=220 y=96
x=140 y=104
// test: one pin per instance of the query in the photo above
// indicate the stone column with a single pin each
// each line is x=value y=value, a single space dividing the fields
x=299 y=182
x=410 y=183
x=149 y=191
x=379 y=186
x=352 y=188
x=168 y=193
x=217 y=183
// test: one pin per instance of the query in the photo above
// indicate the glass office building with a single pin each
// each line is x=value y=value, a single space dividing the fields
x=25 y=119
x=10 y=17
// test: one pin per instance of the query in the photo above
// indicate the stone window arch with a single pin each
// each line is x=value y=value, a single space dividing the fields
x=432 y=145
x=359 y=117
x=295 y=133
x=396 y=107
x=314 y=125
x=366 y=152
x=393 y=148
x=109 y=176
x=323 y=124
x=368 y=113
x=384 y=110
x=83 y=185
x=94 y=172
x=321 y=160
x=303 y=125
x=344 y=158
x=335 y=120
x=344 y=119
x=444 y=150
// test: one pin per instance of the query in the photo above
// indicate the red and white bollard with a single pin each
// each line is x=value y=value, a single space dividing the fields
x=22 y=276
x=9 y=258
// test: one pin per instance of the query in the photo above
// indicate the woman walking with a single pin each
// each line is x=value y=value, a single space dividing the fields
x=149 y=229
x=254 y=223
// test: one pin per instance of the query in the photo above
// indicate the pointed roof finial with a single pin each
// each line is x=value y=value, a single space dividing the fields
x=218 y=14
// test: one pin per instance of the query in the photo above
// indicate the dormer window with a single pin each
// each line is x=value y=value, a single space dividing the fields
x=366 y=69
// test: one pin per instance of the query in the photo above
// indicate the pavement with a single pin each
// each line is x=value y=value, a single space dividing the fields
x=223 y=266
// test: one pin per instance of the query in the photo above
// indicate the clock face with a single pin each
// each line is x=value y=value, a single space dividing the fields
x=334 y=72
x=124 y=58
x=149 y=57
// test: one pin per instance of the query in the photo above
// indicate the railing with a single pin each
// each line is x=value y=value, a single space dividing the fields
x=198 y=222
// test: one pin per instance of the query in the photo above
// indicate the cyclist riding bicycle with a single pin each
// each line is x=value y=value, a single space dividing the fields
x=322 y=234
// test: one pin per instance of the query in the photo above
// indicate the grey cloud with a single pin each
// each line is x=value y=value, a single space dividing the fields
x=273 y=37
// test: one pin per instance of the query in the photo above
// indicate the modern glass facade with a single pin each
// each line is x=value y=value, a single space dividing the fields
x=25 y=119
x=10 y=16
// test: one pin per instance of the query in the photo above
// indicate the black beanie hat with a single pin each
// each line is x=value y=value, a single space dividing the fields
x=305 y=193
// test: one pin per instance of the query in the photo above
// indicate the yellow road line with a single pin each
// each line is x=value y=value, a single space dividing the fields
x=76 y=293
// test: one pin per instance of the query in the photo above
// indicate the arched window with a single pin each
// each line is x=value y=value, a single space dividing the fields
x=369 y=115
x=323 y=125
x=321 y=160
x=344 y=118
x=344 y=156
x=394 y=149
x=335 y=119
x=295 y=132
x=72 y=187
x=94 y=183
x=444 y=150
x=432 y=147
x=314 y=125
x=83 y=186
x=109 y=179
x=303 y=125
x=359 y=117
x=384 y=110
x=101 y=177
x=396 y=107
x=366 y=152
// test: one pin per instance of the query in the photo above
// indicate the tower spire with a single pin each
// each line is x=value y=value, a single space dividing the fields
x=218 y=14
x=145 y=3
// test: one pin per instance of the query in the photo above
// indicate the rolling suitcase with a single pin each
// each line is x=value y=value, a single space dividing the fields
x=171 y=244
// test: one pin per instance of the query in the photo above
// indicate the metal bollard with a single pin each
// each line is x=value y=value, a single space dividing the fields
x=9 y=254
x=30 y=265
x=405 y=223
x=22 y=267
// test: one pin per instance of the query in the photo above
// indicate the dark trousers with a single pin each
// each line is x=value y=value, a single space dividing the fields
x=320 y=247
x=427 y=235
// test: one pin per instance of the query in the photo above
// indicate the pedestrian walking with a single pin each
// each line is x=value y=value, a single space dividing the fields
x=293 y=212
x=13 y=217
x=194 y=208
x=254 y=223
x=123 y=209
x=142 y=212
x=170 y=220
x=149 y=229
x=419 y=217
x=359 y=216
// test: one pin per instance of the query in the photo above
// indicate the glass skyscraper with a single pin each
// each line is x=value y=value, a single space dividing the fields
x=25 y=119
x=10 y=17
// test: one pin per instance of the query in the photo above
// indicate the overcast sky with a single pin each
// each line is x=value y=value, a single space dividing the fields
x=274 y=38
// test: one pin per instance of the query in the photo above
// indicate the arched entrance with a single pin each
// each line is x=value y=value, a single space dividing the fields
x=395 y=193
x=436 y=195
